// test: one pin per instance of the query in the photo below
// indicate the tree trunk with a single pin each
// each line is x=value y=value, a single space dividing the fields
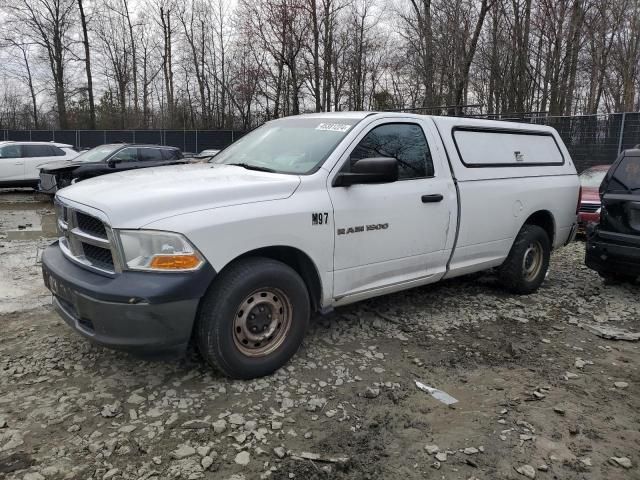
x=87 y=66
x=134 y=60
x=425 y=34
x=167 y=68
x=464 y=74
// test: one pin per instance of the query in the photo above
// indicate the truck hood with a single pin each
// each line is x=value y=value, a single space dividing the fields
x=135 y=198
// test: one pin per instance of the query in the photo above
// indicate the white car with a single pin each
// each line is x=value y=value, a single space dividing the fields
x=19 y=161
x=210 y=152
x=206 y=155
x=304 y=214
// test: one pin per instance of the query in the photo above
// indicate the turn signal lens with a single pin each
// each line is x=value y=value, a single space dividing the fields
x=175 y=262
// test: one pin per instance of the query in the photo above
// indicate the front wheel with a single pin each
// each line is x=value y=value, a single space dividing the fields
x=253 y=318
x=526 y=266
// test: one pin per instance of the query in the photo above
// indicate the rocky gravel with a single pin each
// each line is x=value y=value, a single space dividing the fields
x=540 y=393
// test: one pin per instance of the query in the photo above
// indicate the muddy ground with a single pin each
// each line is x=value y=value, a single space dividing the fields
x=540 y=394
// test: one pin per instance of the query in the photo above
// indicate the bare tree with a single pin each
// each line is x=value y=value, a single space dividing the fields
x=469 y=53
x=48 y=23
x=165 y=9
x=22 y=50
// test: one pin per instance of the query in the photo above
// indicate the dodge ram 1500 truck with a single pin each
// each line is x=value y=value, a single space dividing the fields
x=301 y=215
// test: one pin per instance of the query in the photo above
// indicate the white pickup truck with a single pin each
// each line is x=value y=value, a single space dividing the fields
x=301 y=215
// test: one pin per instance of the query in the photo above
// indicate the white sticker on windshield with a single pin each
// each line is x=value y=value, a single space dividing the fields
x=333 y=127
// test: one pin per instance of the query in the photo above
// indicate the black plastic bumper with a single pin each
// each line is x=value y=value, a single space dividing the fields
x=609 y=257
x=135 y=311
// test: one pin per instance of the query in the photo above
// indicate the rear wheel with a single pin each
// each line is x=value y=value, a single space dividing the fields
x=253 y=318
x=526 y=266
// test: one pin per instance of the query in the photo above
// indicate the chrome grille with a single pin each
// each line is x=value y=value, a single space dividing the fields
x=85 y=239
x=91 y=225
x=98 y=256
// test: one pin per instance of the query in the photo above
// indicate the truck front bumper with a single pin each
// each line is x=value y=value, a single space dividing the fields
x=134 y=311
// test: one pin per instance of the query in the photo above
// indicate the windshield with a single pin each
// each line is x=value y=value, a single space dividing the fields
x=290 y=145
x=592 y=178
x=97 y=154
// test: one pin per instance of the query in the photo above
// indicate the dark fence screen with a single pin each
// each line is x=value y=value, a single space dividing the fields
x=594 y=139
x=192 y=141
x=591 y=139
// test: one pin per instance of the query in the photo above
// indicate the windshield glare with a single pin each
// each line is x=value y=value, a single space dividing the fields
x=97 y=154
x=592 y=178
x=289 y=145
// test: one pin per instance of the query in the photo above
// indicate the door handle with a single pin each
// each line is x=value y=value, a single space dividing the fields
x=435 y=198
x=19 y=163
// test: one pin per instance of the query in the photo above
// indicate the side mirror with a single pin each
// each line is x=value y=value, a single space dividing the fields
x=369 y=170
x=111 y=163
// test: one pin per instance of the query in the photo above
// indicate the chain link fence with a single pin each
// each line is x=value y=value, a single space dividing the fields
x=591 y=139
x=191 y=141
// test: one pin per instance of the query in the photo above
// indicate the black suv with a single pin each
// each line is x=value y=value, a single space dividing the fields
x=613 y=246
x=110 y=158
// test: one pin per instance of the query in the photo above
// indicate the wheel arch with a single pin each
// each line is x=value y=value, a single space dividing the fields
x=298 y=261
x=545 y=220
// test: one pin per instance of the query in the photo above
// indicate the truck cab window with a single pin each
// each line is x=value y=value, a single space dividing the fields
x=405 y=142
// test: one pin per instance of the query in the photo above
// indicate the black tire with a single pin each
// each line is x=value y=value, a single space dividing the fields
x=513 y=273
x=216 y=335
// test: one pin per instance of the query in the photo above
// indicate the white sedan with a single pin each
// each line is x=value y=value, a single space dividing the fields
x=19 y=161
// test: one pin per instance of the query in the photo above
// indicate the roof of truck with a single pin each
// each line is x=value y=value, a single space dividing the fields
x=442 y=120
x=350 y=114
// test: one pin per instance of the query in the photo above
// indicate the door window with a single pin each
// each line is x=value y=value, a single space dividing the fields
x=31 y=151
x=126 y=155
x=10 y=151
x=56 y=151
x=403 y=141
x=150 y=155
x=171 y=154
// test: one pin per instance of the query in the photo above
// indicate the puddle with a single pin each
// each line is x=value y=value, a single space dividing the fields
x=28 y=224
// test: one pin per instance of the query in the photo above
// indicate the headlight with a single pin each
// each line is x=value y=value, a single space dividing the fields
x=158 y=251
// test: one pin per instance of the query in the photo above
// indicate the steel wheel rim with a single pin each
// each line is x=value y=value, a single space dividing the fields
x=262 y=322
x=532 y=261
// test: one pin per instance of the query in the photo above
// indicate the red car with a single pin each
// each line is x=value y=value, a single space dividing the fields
x=589 y=209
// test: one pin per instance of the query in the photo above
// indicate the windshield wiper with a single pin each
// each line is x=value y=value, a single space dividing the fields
x=253 y=167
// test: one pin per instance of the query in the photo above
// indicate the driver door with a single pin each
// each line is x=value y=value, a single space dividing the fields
x=390 y=233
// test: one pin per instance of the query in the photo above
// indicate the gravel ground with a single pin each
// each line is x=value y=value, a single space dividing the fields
x=540 y=394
